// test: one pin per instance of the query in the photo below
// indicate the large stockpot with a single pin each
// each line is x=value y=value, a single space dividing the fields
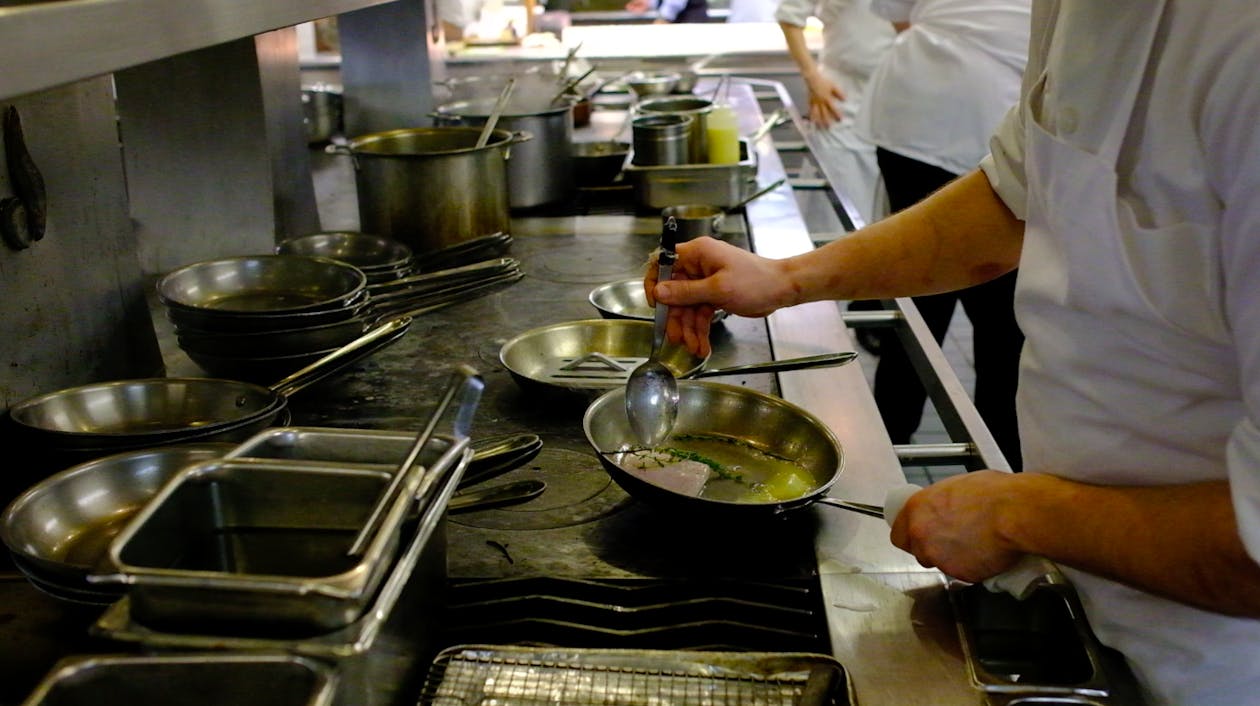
x=432 y=187
x=539 y=171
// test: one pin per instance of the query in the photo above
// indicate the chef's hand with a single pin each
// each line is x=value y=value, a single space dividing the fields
x=710 y=275
x=953 y=525
x=824 y=99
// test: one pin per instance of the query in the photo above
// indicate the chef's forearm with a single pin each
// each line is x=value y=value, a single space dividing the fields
x=794 y=37
x=960 y=236
x=1178 y=541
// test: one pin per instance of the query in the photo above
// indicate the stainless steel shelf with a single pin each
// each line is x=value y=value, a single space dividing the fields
x=48 y=44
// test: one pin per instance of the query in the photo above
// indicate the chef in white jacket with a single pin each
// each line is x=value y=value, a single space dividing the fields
x=854 y=41
x=1124 y=187
x=932 y=103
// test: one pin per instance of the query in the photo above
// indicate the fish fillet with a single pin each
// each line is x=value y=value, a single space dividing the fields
x=664 y=471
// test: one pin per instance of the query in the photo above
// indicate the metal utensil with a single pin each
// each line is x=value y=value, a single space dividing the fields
x=494 y=456
x=406 y=480
x=495 y=112
x=495 y=496
x=571 y=85
x=652 y=389
x=756 y=195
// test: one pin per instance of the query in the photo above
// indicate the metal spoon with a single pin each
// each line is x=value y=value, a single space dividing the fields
x=652 y=389
x=495 y=112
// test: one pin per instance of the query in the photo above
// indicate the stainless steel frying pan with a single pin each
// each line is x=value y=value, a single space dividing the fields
x=124 y=414
x=599 y=354
x=762 y=422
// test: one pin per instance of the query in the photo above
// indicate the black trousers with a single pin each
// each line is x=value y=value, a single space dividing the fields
x=997 y=339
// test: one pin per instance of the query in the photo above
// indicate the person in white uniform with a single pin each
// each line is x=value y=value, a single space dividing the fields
x=938 y=94
x=1124 y=187
x=853 y=41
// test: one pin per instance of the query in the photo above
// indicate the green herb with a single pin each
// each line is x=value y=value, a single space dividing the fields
x=715 y=466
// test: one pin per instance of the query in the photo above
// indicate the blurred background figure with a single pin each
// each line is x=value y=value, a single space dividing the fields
x=752 y=11
x=936 y=97
x=670 y=11
x=854 y=41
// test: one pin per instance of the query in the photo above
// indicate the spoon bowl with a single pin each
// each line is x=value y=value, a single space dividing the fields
x=652 y=402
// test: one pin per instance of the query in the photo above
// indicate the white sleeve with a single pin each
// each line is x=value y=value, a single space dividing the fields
x=1232 y=161
x=794 y=12
x=1004 y=165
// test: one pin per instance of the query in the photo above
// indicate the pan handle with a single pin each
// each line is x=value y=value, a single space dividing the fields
x=825 y=360
x=319 y=369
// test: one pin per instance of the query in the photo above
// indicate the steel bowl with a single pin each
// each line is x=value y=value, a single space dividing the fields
x=625 y=299
x=263 y=284
x=652 y=83
x=598 y=163
x=369 y=253
x=59 y=529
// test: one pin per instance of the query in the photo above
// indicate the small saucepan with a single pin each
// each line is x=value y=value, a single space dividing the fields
x=599 y=354
x=747 y=427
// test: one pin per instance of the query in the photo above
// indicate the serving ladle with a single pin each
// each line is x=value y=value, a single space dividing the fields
x=652 y=389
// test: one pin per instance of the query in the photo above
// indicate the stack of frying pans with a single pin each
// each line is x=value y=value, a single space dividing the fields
x=260 y=316
x=380 y=259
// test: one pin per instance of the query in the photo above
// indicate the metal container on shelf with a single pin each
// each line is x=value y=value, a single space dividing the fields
x=696 y=108
x=721 y=185
x=660 y=140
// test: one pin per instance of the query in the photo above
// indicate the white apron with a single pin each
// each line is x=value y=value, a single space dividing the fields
x=1149 y=388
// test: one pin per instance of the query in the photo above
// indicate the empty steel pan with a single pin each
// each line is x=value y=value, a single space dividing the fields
x=370 y=253
x=262 y=284
x=128 y=414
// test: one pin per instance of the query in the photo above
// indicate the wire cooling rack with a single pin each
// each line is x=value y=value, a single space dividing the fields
x=512 y=676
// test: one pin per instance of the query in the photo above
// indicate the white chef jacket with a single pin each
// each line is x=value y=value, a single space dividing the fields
x=854 y=40
x=1142 y=362
x=948 y=79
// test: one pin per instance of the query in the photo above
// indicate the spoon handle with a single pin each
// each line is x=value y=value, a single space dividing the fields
x=665 y=270
x=826 y=360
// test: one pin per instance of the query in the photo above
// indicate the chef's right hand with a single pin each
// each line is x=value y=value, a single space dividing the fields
x=709 y=275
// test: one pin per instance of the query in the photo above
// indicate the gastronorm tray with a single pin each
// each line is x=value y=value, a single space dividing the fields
x=722 y=185
x=513 y=675
x=256 y=544
x=378 y=656
x=190 y=680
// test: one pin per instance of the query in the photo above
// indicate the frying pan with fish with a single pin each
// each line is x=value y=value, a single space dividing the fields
x=760 y=423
